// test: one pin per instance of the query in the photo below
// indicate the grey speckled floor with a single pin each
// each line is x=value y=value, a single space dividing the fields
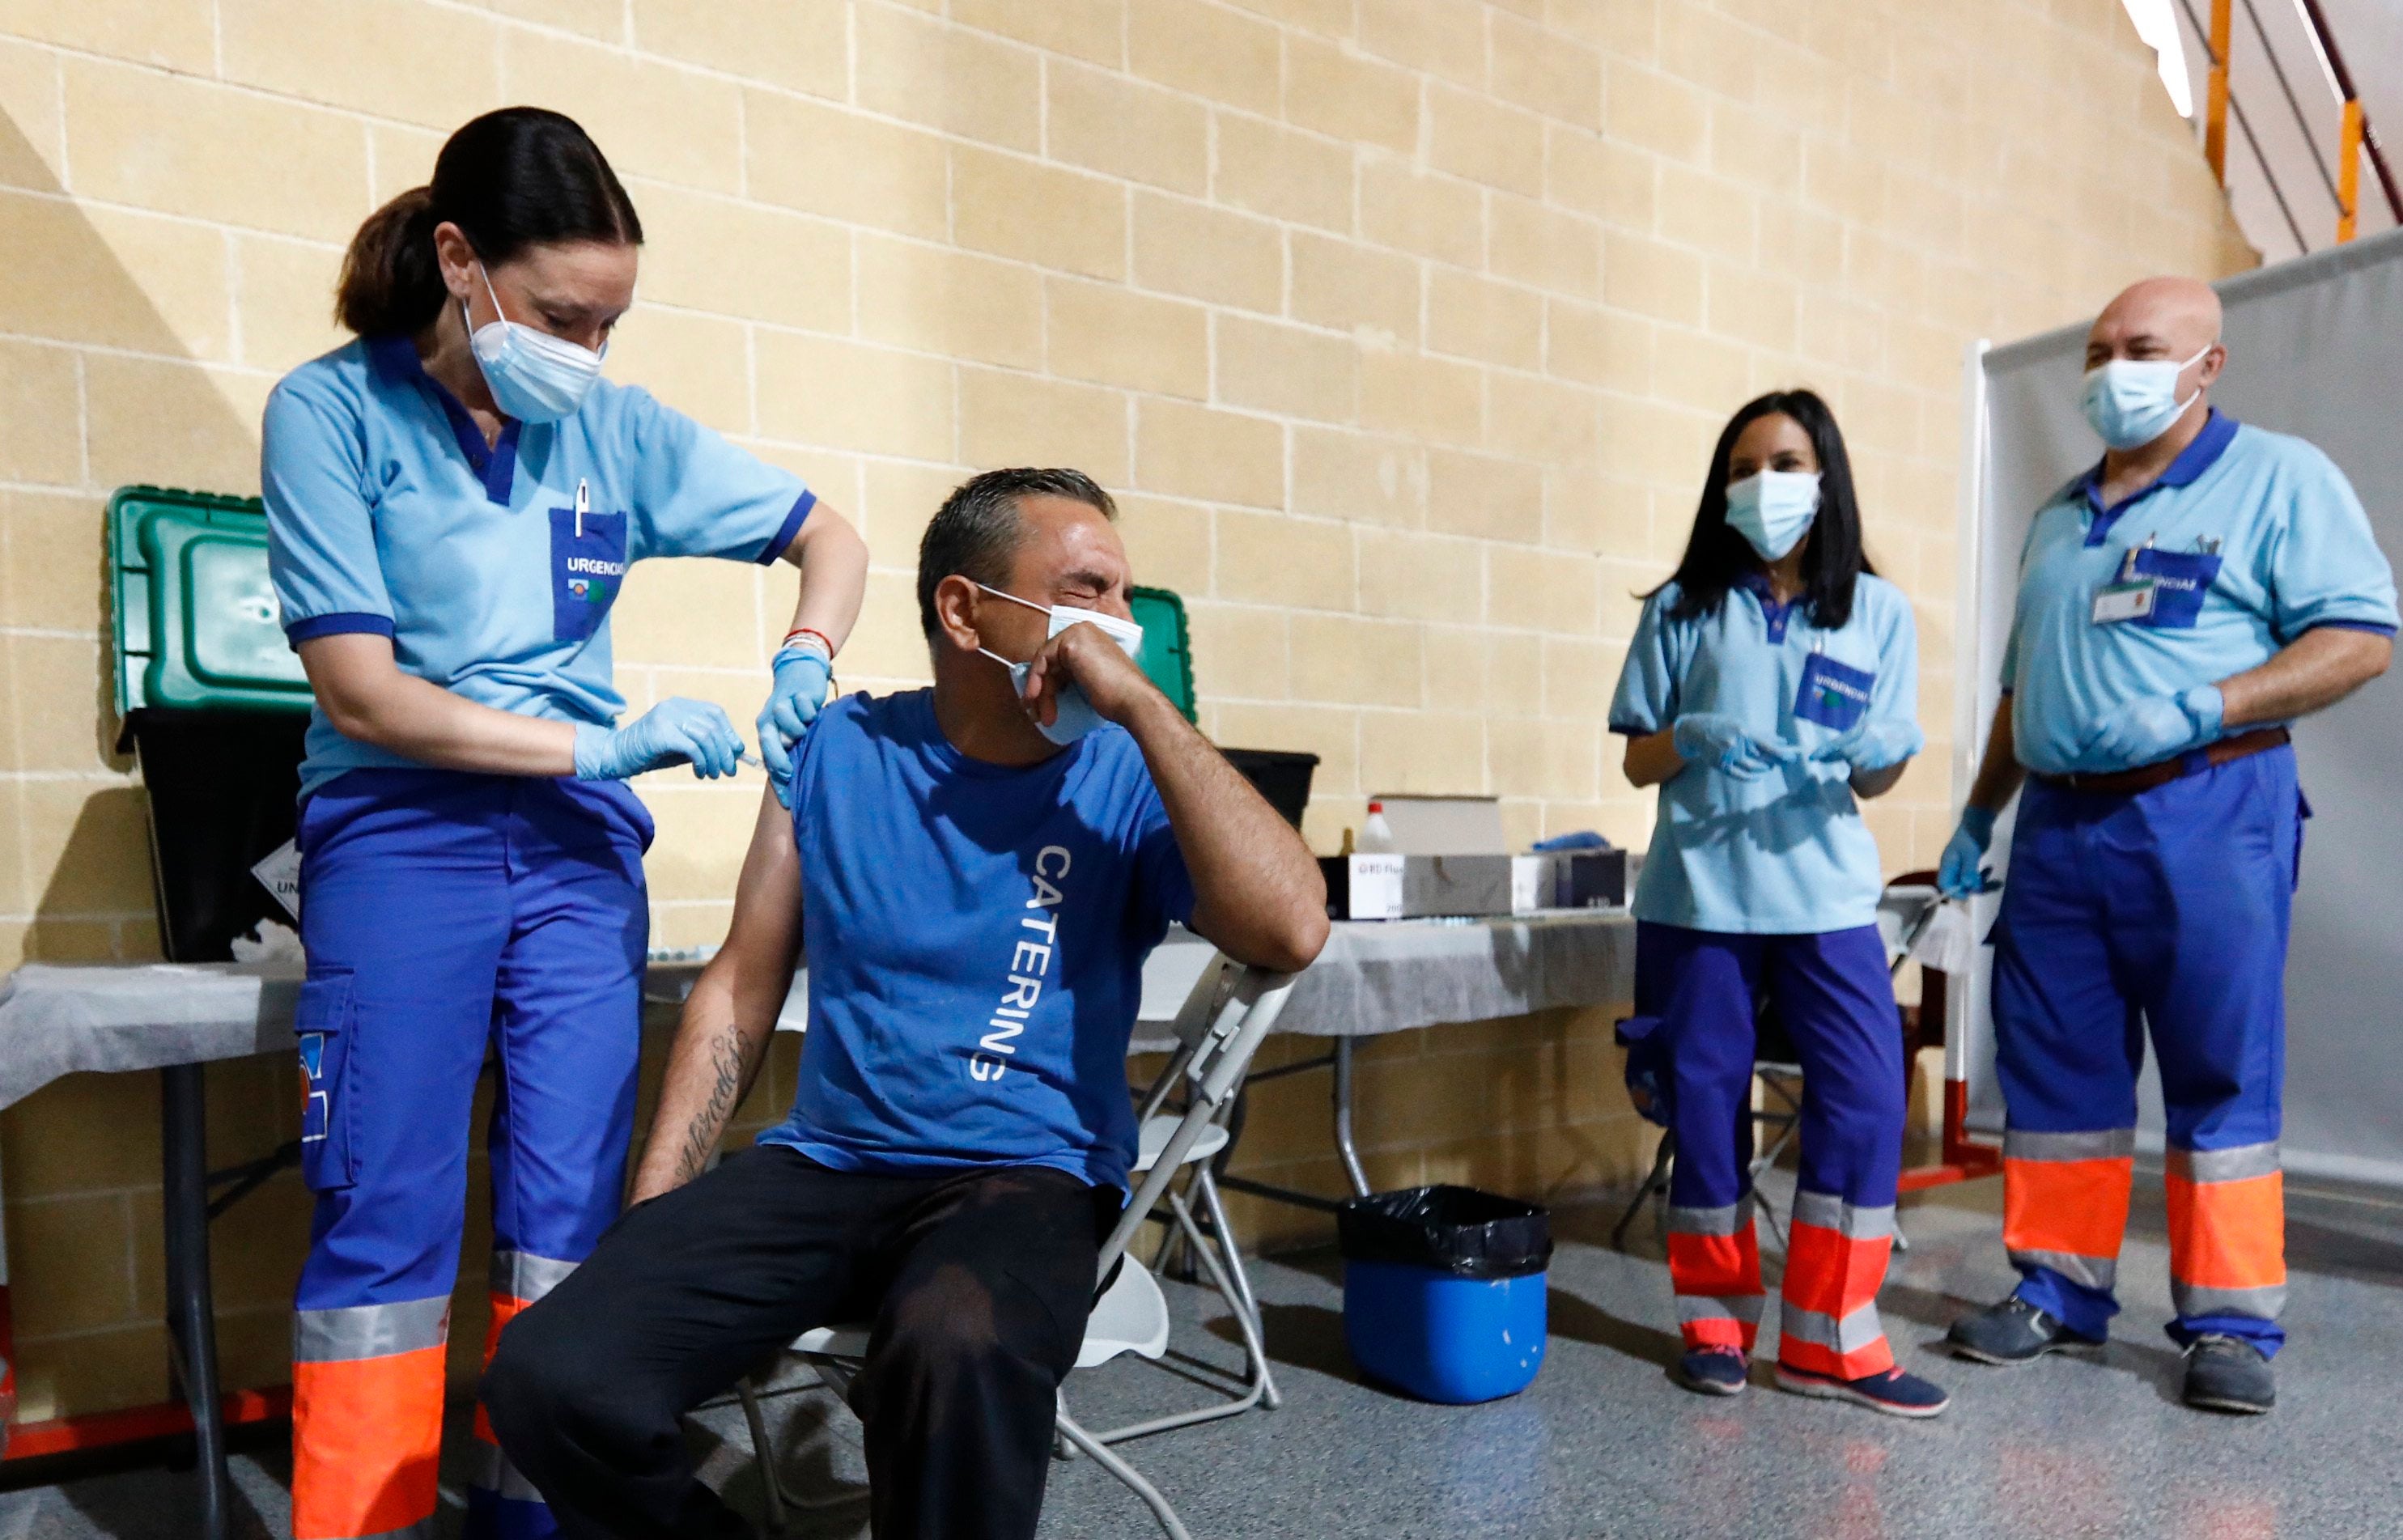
x=1605 y=1445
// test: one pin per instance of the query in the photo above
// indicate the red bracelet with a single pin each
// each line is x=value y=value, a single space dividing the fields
x=823 y=639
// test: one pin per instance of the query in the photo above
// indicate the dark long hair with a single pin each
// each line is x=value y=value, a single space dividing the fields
x=1716 y=557
x=519 y=177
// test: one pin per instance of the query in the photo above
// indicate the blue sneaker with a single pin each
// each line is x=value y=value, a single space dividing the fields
x=1891 y=1392
x=1715 y=1371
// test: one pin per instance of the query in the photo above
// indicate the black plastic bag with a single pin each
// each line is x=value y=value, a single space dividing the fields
x=1459 y=1231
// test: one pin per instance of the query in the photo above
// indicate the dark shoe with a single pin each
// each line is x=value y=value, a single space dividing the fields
x=2014 y=1332
x=1715 y=1371
x=2228 y=1374
x=1892 y=1391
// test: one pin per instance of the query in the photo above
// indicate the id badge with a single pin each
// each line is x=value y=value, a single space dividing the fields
x=588 y=563
x=2116 y=603
x=1834 y=695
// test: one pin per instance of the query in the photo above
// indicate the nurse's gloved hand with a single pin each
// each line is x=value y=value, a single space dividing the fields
x=1721 y=743
x=673 y=732
x=2156 y=726
x=1879 y=743
x=1957 y=875
x=801 y=676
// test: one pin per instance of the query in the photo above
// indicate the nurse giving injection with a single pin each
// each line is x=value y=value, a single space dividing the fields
x=453 y=500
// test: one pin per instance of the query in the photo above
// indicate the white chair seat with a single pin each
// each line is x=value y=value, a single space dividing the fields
x=1157 y=1132
x=1132 y=1317
x=833 y=1342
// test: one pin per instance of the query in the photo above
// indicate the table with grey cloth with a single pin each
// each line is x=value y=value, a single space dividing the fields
x=1373 y=977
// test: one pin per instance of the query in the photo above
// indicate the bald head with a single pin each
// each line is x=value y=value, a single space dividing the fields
x=2173 y=318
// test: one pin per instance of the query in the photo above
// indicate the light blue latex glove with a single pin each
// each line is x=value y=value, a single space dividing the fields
x=673 y=732
x=1957 y=875
x=797 y=694
x=1879 y=743
x=1720 y=742
x=2156 y=726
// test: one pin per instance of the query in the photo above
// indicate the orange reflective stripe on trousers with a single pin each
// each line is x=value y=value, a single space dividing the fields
x=367 y=1418
x=1835 y=1263
x=1715 y=1269
x=2066 y=1201
x=2227 y=1231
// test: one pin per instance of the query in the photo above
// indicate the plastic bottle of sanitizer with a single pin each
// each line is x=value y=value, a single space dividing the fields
x=1376 y=835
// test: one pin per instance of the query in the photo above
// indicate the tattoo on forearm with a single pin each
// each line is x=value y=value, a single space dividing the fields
x=725 y=1089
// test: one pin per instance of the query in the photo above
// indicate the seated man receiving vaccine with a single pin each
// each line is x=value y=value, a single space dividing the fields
x=979 y=870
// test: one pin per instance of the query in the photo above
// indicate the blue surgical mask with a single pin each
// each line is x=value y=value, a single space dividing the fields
x=534 y=376
x=2132 y=401
x=1072 y=715
x=1772 y=508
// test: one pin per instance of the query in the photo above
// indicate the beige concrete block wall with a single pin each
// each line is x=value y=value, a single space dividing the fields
x=1403 y=327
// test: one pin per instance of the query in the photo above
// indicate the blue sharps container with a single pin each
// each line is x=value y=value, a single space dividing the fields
x=1443 y=1291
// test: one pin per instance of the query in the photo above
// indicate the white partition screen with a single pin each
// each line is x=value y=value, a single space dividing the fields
x=2315 y=348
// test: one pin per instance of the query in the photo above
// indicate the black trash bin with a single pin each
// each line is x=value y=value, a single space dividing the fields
x=1444 y=1290
x=214 y=704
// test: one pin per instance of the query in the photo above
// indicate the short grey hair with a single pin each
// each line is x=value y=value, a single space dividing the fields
x=975 y=534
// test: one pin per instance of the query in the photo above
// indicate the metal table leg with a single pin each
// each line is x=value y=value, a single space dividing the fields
x=1343 y=1146
x=191 y=1320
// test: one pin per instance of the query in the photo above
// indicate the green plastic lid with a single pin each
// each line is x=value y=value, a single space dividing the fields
x=1167 y=655
x=196 y=622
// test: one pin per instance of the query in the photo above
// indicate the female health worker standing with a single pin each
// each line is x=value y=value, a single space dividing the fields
x=453 y=500
x=1771 y=682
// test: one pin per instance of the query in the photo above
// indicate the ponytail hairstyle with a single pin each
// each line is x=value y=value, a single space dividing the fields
x=1717 y=558
x=519 y=177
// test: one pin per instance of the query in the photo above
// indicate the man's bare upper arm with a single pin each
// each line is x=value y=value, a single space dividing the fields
x=764 y=940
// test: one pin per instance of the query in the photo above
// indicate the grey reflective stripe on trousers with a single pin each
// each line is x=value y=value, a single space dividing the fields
x=489 y=1470
x=1826 y=1211
x=2095 y=1272
x=1733 y=1219
x=2193 y=1299
x=1858 y=1330
x=2096 y=1145
x=522 y=1275
x=1715 y=1307
x=371 y=1331
x=2239 y=1164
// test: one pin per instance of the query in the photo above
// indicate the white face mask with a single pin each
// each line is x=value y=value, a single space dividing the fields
x=1772 y=508
x=1075 y=715
x=2129 y=402
x=534 y=376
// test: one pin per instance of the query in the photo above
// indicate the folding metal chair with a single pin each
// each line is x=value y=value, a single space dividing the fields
x=1231 y=1010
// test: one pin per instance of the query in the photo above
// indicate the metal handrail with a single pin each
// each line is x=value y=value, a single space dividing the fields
x=2221 y=95
x=2358 y=118
x=2356 y=137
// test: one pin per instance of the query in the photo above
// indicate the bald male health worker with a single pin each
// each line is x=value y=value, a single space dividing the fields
x=2180 y=604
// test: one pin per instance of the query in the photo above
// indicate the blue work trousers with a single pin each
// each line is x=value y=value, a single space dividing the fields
x=2168 y=908
x=448 y=916
x=1836 y=1000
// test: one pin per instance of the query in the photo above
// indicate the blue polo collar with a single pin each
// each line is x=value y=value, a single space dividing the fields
x=1773 y=613
x=2218 y=431
x=394 y=356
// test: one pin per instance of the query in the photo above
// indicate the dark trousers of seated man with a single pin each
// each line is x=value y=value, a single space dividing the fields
x=978 y=1285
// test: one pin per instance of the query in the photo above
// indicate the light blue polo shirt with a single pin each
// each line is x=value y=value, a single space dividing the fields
x=2249 y=540
x=1787 y=854
x=387 y=513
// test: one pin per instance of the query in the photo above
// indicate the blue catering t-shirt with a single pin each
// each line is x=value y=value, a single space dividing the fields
x=976 y=935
